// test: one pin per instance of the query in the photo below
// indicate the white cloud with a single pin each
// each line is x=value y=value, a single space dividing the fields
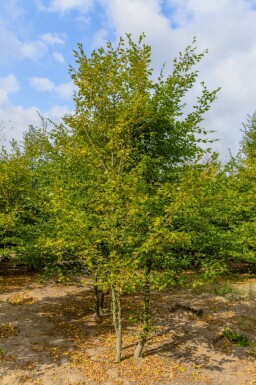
x=42 y=84
x=52 y=39
x=8 y=42
x=57 y=112
x=137 y=16
x=38 y=48
x=8 y=84
x=58 y=57
x=32 y=50
x=63 y=90
x=100 y=38
x=66 y=5
x=16 y=119
x=225 y=27
x=12 y=46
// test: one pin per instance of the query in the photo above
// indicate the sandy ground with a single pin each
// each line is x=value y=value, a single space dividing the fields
x=49 y=335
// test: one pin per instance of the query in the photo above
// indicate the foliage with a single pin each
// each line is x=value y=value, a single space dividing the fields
x=25 y=174
x=242 y=182
x=238 y=339
x=15 y=199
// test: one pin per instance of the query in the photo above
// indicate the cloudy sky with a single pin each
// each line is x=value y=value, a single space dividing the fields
x=37 y=38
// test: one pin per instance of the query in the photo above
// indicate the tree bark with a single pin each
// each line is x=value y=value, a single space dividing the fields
x=97 y=301
x=146 y=313
x=117 y=321
x=102 y=299
x=99 y=297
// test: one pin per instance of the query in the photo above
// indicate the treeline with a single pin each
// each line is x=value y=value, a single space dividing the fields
x=123 y=189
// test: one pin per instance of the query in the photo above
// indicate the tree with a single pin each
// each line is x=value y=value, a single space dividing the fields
x=243 y=183
x=134 y=140
x=13 y=180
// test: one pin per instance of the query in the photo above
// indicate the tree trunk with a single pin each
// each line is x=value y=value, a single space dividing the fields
x=97 y=302
x=146 y=313
x=139 y=347
x=117 y=321
x=102 y=299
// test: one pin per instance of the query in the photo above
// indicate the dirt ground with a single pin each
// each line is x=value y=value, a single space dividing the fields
x=49 y=335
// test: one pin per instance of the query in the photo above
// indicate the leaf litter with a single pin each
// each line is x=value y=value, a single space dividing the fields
x=77 y=348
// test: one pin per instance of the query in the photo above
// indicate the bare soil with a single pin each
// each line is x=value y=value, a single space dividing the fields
x=49 y=335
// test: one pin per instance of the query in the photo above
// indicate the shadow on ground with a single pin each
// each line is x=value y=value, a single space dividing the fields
x=57 y=336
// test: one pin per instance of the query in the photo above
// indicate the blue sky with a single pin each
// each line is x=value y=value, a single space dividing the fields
x=37 y=38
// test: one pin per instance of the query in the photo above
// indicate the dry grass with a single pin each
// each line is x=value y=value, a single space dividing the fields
x=7 y=330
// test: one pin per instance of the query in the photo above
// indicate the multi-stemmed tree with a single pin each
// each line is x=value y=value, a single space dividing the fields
x=135 y=142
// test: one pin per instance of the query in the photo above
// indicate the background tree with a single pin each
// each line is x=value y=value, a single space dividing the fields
x=242 y=180
x=13 y=185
